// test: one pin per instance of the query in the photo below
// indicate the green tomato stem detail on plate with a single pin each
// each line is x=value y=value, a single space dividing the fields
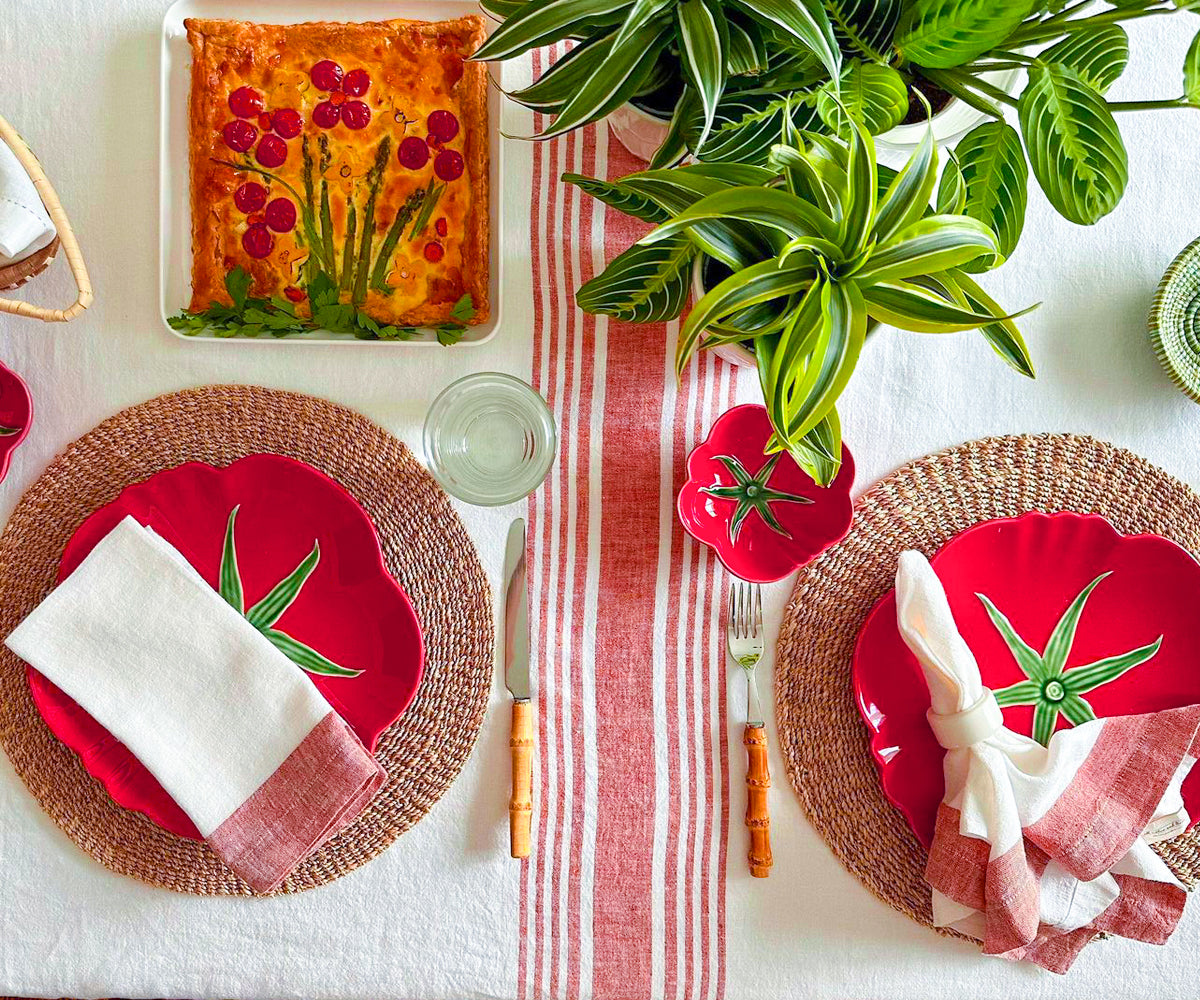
x=1050 y=688
x=9 y=431
x=752 y=493
x=270 y=609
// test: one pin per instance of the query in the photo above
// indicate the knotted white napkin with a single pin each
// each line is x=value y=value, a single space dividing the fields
x=235 y=732
x=25 y=226
x=1036 y=850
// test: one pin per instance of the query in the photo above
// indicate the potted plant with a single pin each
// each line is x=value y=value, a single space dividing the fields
x=819 y=246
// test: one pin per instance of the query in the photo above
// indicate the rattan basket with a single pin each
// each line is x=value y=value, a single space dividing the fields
x=1175 y=323
x=17 y=274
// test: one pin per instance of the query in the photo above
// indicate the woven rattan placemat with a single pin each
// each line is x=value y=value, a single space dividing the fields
x=921 y=506
x=424 y=545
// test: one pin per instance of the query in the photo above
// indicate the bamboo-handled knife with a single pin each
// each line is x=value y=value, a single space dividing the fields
x=516 y=679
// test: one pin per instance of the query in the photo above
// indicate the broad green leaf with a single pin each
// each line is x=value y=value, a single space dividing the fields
x=561 y=82
x=906 y=199
x=1191 y=72
x=864 y=26
x=538 y=24
x=230 y=579
x=805 y=20
x=280 y=597
x=994 y=176
x=305 y=656
x=613 y=83
x=862 y=190
x=1058 y=646
x=645 y=284
x=1028 y=659
x=873 y=93
x=1099 y=55
x=803 y=179
x=1076 y=710
x=934 y=243
x=795 y=342
x=1045 y=715
x=771 y=207
x=746 y=126
x=759 y=282
x=910 y=307
x=834 y=356
x=1081 y=680
x=1074 y=146
x=941 y=34
x=1003 y=336
x=748 y=54
x=703 y=43
x=623 y=199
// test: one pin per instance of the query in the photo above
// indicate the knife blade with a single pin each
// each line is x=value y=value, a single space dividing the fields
x=516 y=679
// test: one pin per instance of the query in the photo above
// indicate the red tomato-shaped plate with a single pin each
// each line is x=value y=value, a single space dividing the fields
x=350 y=609
x=16 y=415
x=762 y=514
x=1032 y=568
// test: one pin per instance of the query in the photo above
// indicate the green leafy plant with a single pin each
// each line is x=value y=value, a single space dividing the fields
x=705 y=54
x=819 y=248
x=1049 y=686
x=752 y=493
x=270 y=609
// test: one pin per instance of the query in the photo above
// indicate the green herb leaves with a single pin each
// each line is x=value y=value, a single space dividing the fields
x=945 y=33
x=270 y=609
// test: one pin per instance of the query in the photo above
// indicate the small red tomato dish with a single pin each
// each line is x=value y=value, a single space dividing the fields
x=762 y=514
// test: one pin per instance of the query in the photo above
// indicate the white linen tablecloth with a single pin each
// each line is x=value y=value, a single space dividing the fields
x=436 y=916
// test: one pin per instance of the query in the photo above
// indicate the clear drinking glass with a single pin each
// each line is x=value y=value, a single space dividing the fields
x=489 y=439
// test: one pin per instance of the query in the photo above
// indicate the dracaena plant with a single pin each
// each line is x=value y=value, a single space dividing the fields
x=702 y=53
x=819 y=247
x=1067 y=54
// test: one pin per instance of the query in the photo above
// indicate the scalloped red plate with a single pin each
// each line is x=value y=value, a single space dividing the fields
x=350 y=609
x=1032 y=567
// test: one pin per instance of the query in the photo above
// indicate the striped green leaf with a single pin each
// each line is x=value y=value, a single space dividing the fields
x=906 y=198
x=1021 y=693
x=1003 y=336
x=746 y=126
x=229 y=582
x=645 y=284
x=1191 y=72
x=1063 y=636
x=620 y=197
x=1076 y=710
x=1081 y=680
x=873 y=93
x=1099 y=54
x=1074 y=146
x=770 y=207
x=748 y=54
x=993 y=174
x=952 y=191
x=538 y=24
x=940 y=34
x=1045 y=715
x=1028 y=659
x=674 y=148
x=861 y=192
x=779 y=372
x=703 y=44
x=805 y=20
x=305 y=656
x=864 y=26
x=271 y=608
x=571 y=71
x=934 y=243
x=911 y=307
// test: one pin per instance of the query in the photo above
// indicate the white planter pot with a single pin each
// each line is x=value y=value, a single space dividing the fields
x=951 y=123
x=735 y=354
x=638 y=131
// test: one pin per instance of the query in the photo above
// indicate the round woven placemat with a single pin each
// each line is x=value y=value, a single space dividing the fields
x=424 y=545
x=921 y=506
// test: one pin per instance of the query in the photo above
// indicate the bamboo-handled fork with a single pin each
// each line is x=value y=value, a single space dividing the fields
x=744 y=631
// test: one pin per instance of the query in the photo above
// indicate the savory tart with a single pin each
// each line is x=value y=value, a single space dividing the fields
x=341 y=166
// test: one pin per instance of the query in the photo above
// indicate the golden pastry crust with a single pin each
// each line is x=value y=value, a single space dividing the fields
x=414 y=68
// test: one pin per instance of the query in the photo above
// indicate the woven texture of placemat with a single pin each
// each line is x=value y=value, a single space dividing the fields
x=425 y=548
x=921 y=506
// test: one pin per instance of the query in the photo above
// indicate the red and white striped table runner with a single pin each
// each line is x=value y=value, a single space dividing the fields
x=624 y=895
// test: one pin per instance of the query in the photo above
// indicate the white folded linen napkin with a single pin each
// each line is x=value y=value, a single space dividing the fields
x=1036 y=850
x=25 y=226
x=236 y=733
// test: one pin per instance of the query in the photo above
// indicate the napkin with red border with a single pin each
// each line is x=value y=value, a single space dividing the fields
x=235 y=732
x=1037 y=850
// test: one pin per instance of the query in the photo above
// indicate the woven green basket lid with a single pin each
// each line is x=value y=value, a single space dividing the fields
x=1175 y=320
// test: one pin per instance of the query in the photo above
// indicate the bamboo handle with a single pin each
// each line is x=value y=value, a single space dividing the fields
x=520 y=806
x=758 y=819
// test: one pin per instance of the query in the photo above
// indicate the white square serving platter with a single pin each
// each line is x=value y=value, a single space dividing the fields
x=175 y=217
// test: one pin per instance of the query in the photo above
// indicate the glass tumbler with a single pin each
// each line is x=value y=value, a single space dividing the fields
x=489 y=439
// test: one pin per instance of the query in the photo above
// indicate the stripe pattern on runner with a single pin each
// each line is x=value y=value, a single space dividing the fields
x=624 y=894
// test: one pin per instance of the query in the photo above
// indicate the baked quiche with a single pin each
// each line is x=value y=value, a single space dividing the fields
x=343 y=168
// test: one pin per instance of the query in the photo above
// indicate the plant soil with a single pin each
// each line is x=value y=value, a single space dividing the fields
x=937 y=98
